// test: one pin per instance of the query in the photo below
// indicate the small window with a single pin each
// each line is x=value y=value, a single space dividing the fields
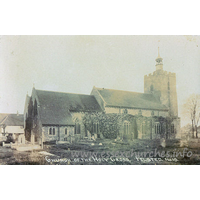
x=65 y=131
x=50 y=131
x=54 y=131
x=125 y=111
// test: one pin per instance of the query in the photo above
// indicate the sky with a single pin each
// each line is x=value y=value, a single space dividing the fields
x=76 y=63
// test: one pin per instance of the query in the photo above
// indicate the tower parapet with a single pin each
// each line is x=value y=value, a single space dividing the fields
x=160 y=72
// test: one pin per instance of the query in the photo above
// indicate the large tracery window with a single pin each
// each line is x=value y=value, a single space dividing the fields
x=77 y=128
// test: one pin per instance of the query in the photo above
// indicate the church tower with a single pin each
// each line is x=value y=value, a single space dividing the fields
x=162 y=85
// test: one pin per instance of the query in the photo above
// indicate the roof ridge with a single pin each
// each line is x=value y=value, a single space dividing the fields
x=63 y=92
x=11 y=114
x=123 y=91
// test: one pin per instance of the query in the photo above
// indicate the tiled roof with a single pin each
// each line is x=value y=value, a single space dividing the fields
x=120 y=98
x=2 y=116
x=12 y=119
x=55 y=107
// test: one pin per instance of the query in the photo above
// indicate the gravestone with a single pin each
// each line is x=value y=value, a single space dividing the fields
x=21 y=139
x=163 y=143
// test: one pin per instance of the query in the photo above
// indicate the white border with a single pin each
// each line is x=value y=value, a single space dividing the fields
x=99 y=18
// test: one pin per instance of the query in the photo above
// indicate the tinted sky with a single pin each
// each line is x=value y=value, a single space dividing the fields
x=77 y=63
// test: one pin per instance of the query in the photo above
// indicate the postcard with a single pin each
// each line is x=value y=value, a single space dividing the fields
x=100 y=100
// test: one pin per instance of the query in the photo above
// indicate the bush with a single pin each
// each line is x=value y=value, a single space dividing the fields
x=109 y=124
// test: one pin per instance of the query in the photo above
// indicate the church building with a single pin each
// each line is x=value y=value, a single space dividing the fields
x=152 y=114
x=57 y=116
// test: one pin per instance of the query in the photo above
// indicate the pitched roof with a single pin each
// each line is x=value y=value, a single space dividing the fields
x=2 y=116
x=55 y=107
x=12 y=119
x=120 y=98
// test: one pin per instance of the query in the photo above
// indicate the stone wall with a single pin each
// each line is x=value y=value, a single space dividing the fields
x=60 y=134
x=163 y=85
x=46 y=136
x=145 y=128
x=132 y=111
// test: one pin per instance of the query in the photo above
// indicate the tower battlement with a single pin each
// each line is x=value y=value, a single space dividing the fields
x=161 y=73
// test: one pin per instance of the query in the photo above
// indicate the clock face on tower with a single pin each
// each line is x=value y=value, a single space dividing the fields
x=159 y=61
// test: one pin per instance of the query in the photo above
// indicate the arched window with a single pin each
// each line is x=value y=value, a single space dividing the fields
x=54 y=131
x=126 y=127
x=157 y=128
x=77 y=128
x=50 y=131
x=65 y=131
x=96 y=127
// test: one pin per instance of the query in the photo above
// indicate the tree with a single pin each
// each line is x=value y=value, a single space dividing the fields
x=186 y=131
x=192 y=111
